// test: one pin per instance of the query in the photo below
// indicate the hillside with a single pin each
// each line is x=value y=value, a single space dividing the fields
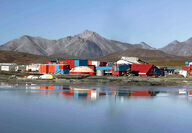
x=24 y=58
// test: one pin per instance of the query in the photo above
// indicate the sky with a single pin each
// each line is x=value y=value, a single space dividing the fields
x=156 y=22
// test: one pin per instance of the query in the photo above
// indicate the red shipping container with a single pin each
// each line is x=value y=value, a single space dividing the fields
x=43 y=68
x=61 y=62
x=64 y=66
x=103 y=64
x=47 y=62
x=71 y=63
x=51 y=69
x=141 y=93
x=186 y=68
x=92 y=67
x=89 y=62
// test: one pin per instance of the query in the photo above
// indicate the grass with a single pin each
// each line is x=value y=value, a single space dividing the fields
x=168 y=63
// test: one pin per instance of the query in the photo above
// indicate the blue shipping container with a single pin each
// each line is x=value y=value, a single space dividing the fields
x=104 y=68
x=52 y=63
x=157 y=72
x=121 y=67
x=187 y=63
x=64 y=71
x=61 y=71
x=81 y=63
x=57 y=70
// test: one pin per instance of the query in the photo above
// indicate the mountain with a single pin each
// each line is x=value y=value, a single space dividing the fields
x=85 y=45
x=146 y=54
x=179 y=48
x=144 y=45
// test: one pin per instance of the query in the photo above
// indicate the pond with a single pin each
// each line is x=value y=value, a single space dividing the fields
x=31 y=108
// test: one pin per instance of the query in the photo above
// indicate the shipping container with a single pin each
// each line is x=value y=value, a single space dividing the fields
x=33 y=67
x=70 y=62
x=92 y=67
x=64 y=71
x=106 y=68
x=51 y=62
x=157 y=71
x=51 y=68
x=89 y=62
x=57 y=70
x=61 y=62
x=20 y=68
x=47 y=62
x=121 y=67
x=103 y=64
x=64 y=66
x=187 y=63
x=186 y=68
x=43 y=68
x=81 y=63
x=8 y=68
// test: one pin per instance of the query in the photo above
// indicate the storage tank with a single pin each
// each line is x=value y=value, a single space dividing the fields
x=100 y=73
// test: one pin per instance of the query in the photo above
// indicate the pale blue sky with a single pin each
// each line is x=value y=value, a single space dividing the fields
x=156 y=22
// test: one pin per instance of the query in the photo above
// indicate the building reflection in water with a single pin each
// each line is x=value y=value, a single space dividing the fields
x=78 y=93
x=95 y=93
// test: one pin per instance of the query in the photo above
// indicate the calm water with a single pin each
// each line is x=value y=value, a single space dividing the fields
x=94 y=109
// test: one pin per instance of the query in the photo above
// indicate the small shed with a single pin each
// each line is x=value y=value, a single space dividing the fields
x=8 y=66
x=33 y=67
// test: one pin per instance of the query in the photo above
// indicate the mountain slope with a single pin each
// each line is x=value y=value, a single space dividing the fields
x=179 y=48
x=144 y=45
x=21 y=58
x=149 y=55
x=85 y=45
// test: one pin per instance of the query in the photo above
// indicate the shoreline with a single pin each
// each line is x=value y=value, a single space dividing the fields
x=112 y=80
